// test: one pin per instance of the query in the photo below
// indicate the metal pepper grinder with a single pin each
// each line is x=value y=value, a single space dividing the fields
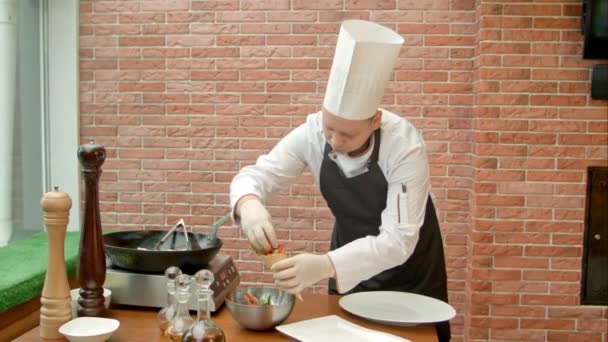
x=56 y=306
x=91 y=254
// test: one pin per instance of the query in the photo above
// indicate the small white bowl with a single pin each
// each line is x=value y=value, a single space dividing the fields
x=89 y=329
x=75 y=293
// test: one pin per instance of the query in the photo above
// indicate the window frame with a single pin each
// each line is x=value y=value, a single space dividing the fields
x=61 y=114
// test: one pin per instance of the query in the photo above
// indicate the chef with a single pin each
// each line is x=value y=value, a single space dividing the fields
x=372 y=169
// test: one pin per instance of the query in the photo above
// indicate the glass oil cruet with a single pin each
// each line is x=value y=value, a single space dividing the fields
x=166 y=314
x=204 y=330
x=182 y=320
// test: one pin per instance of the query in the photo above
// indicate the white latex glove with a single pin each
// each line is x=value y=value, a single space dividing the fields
x=255 y=222
x=298 y=272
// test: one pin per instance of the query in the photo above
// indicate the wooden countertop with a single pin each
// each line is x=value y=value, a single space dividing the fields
x=139 y=324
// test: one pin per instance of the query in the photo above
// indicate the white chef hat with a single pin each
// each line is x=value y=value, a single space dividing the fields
x=365 y=57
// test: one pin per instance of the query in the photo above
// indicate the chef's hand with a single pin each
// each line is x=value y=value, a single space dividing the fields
x=298 y=272
x=255 y=222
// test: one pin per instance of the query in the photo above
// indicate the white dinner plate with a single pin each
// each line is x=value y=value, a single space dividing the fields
x=397 y=308
x=334 y=329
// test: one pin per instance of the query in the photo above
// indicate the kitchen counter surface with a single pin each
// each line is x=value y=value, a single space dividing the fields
x=139 y=324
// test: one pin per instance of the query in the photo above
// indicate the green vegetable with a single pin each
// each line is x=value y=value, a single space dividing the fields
x=265 y=299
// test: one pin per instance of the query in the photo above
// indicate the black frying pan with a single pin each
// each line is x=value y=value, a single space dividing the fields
x=140 y=251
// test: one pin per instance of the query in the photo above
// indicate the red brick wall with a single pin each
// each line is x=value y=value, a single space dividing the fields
x=184 y=93
x=535 y=131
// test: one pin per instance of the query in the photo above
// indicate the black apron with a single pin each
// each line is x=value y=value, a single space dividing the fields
x=357 y=204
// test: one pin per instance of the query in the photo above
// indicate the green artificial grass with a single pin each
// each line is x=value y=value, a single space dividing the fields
x=23 y=267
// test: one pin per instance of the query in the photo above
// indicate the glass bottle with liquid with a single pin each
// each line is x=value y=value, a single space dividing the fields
x=204 y=330
x=182 y=320
x=166 y=314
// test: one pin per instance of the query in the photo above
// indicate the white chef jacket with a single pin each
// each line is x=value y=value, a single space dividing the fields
x=403 y=161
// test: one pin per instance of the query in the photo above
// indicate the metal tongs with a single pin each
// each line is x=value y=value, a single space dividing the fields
x=194 y=244
x=179 y=223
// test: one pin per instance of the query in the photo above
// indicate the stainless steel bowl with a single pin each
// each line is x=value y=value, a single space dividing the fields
x=260 y=317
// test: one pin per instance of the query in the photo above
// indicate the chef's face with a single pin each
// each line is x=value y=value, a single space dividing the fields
x=349 y=136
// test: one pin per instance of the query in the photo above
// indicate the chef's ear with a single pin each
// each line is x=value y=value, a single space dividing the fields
x=377 y=120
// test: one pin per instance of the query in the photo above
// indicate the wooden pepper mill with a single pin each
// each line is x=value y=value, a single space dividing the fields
x=91 y=254
x=56 y=306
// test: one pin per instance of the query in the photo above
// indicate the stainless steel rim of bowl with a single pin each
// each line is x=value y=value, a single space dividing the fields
x=260 y=317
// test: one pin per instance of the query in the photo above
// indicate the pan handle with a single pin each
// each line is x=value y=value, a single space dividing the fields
x=216 y=225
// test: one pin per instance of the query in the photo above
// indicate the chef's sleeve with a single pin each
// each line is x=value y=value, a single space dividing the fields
x=274 y=171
